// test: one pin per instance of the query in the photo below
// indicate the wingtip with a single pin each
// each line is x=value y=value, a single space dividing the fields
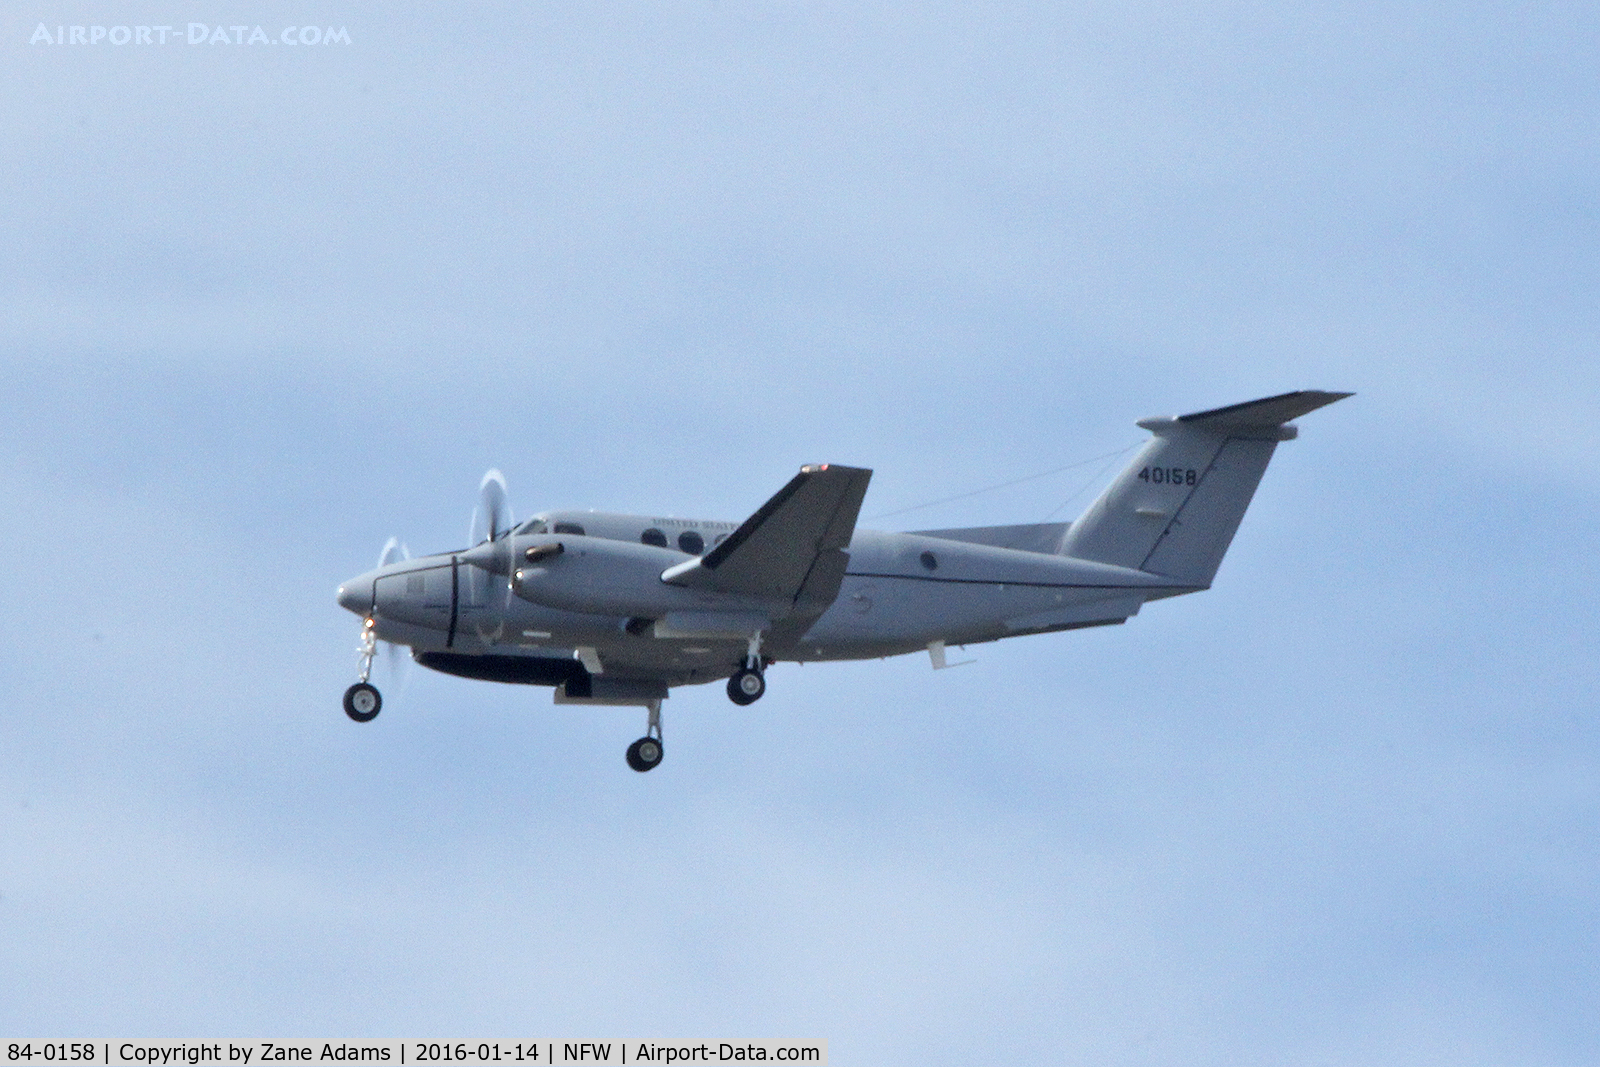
x=818 y=468
x=1324 y=397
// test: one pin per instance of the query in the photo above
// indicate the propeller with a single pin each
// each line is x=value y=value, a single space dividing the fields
x=395 y=663
x=492 y=516
x=490 y=536
x=394 y=551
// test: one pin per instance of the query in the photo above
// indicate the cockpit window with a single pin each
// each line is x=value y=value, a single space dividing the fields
x=655 y=537
x=534 y=526
x=569 y=528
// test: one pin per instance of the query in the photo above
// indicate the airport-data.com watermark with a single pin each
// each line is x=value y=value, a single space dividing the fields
x=194 y=33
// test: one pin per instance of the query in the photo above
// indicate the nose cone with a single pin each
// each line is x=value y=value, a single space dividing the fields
x=356 y=595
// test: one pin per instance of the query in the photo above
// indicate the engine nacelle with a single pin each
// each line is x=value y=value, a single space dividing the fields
x=600 y=576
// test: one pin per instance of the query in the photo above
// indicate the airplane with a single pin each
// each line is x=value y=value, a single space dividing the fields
x=613 y=609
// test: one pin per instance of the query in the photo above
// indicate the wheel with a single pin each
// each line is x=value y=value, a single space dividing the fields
x=746 y=686
x=644 y=754
x=362 y=702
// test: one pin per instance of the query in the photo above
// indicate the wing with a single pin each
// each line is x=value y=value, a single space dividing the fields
x=792 y=548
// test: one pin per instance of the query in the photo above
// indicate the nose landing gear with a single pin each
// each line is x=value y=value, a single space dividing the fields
x=362 y=701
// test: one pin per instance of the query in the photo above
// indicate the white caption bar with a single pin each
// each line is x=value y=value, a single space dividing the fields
x=405 y=1053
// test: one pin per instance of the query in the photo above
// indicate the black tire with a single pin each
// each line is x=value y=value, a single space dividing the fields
x=362 y=702
x=746 y=686
x=644 y=754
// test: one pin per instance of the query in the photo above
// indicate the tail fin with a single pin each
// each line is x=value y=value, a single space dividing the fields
x=1175 y=508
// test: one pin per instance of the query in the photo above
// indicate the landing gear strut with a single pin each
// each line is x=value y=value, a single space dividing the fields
x=362 y=702
x=748 y=683
x=645 y=753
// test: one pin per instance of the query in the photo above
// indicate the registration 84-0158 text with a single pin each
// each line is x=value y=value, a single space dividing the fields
x=52 y=1052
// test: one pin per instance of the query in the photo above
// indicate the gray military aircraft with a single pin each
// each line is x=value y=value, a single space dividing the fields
x=617 y=609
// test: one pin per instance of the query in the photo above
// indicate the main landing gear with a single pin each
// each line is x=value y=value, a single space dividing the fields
x=748 y=683
x=645 y=753
x=746 y=686
x=362 y=702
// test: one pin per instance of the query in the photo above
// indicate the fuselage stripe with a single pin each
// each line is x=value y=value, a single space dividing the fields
x=1008 y=581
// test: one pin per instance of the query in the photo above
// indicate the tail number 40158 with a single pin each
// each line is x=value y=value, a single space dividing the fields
x=1169 y=475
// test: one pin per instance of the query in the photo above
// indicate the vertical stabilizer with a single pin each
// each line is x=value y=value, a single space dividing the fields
x=1174 y=509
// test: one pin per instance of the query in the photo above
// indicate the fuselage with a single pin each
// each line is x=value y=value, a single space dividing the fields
x=599 y=601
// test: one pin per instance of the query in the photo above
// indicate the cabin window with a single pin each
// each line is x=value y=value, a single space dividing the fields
x=691 y=542
x=655 y=537
x=717 y=540
x=569 y=528
x=930 y=561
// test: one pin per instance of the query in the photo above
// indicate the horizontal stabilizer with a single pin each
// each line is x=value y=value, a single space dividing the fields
x=1261 y=414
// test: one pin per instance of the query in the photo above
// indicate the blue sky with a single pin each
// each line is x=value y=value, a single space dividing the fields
x=263 y=307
